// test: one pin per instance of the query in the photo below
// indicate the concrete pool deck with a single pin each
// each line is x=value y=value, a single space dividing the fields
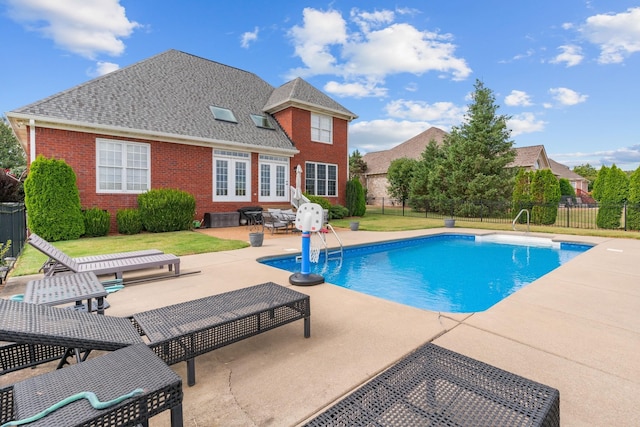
x=576 y=329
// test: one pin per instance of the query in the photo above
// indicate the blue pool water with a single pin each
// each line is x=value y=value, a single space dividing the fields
x=449 y=273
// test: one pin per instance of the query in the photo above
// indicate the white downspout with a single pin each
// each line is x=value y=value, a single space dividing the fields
x=32 y=140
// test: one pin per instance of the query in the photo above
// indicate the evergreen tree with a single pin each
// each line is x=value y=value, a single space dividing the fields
x=477 y=153
x=613 y=192
x=12 y=156
x=399 y=175
x=600 y=183
x=566 y=189
x=633 y=205
x=357 y=166
x=521 y=198
x=421 y=186
x=545 y=195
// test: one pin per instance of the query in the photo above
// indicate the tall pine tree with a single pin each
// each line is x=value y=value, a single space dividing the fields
x=477 y=154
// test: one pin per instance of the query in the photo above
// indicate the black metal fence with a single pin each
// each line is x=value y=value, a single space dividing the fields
x=569 y=213
x=13 y=226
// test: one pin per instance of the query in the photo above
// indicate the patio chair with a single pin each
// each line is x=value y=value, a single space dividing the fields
x=53 y=266
x=272 y=221
x=106 y=266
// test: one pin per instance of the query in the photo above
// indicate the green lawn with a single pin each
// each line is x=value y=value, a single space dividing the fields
x=190 y=242
x=178 y=243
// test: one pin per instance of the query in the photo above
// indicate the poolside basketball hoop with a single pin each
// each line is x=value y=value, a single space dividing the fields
x=309 y=219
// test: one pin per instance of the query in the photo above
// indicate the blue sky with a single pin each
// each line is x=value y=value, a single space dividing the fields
x=567 y=72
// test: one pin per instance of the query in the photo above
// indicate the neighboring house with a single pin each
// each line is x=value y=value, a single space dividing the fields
x=579 y=183
x=378 y=162
x=531 y=158
x=176 y=120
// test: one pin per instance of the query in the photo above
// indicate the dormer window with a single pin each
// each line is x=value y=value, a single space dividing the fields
x=261 y=121
x=223 y=114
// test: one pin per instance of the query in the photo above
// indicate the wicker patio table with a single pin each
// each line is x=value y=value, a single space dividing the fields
x=34 y=326
x=109 y=376
x=181 y=332
x=436 y=386
x=65 y=288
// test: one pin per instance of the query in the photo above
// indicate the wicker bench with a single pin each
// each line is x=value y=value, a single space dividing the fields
x=180 y=332
x=435 y=386
x=109 y=376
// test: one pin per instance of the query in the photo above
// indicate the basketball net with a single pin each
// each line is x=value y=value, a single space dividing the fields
x=314 y=249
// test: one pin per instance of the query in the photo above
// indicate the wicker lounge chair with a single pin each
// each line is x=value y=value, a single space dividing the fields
x=53 y=266
x=107 y=265
x=273 y=222
x=176 y=333
x=436 y=386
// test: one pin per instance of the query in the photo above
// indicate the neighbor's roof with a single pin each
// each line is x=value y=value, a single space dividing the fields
x=526 y=157
x=562 y=171
x=378 y=161
x=169 y=95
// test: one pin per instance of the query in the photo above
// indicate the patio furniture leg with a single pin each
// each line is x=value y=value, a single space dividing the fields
x=176 y=416
x=307 y=327
x=191 y=372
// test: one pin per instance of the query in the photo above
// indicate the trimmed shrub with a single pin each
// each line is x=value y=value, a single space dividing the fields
x=356 y=201
x=338 y=212
x=166 y=209
x=52 y=200
x=545 y=194
x=566 y=189
x=326 y=204
x=129 y=221
x=96 y=222
x=521 y=198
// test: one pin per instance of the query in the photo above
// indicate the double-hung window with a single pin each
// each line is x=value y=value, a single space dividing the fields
x=231 y=172
x=274 y=178
x=122 y=166
x=321 y=179
x=321 y=128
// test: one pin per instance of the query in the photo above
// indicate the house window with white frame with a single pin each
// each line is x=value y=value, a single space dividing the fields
x=321 y=128
x=321 y=179
x=231 y=170
x=273 y=178
x=122 y=166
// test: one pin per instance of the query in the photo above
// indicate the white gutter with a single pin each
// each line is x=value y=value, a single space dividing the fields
x=151 y=135
x=32 y=140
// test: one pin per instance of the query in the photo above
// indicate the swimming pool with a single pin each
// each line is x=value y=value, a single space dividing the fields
x=450 y=273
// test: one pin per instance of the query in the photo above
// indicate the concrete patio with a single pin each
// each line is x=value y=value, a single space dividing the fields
x=576 y=329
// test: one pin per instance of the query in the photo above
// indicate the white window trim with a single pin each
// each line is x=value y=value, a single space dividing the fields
x=320 y=129
x=264 y=159
x=232 y=157
x=124 y=168
x=327 y=179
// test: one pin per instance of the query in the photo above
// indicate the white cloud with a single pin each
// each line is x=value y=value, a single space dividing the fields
x=355 y=89
x=525 y=123
x=314 y=39
x=571 y=55
x=377 y=135
x=517 y=98
x=443 y=113
x=617 y=35
x=103 y=68
x=84 y=27
x=626 y=158
x=247 y=38
x=372 y=50
x=566 y=96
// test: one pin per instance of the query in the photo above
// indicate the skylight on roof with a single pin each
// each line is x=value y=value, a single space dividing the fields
x=223 y=114
x=261 y=121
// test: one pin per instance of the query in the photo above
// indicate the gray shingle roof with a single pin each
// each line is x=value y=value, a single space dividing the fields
x=171 y=93
x=298 y=91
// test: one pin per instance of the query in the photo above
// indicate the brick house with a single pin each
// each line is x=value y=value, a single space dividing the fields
x=176 y=120
x=530 y=158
